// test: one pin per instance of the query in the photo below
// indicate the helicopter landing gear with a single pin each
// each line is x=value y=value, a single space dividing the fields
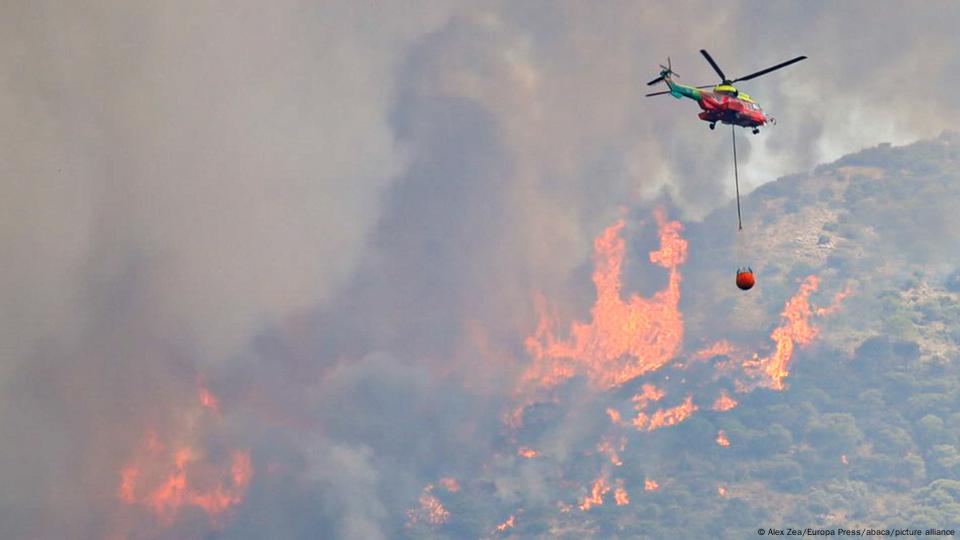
x=713 y=125
x=756 y=130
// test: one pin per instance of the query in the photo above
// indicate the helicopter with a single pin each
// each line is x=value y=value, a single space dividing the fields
x=724 y=103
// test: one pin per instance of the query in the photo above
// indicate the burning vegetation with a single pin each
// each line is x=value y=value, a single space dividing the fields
x=508 y=524
x=620 y=494
x=795 y=329
x=430 y=511
x=625 y=338
x=165 y=477
x=527 y=452
x=724 y=402
x=634 y=337
x=631 y=338
x=595 y=498
x=628 y=341
x=722 y=439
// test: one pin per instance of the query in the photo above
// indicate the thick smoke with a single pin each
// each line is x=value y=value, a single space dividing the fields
x=336 y=216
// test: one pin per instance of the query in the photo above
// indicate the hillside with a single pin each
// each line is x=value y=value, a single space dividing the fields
x=865 y=432
x=881 y=221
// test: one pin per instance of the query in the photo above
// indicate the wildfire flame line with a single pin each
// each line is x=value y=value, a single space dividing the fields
x=665 y=417
x=719 y=348
x=431 y=510
x=628 y=338
x=624 y=339
x=795 y=329
x=166 y=480
x=599 y=489
x=173 y=491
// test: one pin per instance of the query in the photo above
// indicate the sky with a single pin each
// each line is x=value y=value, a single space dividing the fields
x=286 y=254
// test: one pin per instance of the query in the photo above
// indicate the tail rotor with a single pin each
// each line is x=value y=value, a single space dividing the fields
x=665 y=71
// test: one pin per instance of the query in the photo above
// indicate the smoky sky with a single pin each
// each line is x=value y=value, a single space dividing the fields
x=336 y=215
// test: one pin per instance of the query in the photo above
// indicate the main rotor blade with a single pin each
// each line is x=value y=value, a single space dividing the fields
x=769 y=69
x=714 y=64
x=705 y=86
x=655 y=81
x=658 y=93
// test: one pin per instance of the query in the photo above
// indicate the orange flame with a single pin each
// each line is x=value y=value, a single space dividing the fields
x=795 y=329
x=600 y=488
x=506 y=524
x=164 y=479
x=607 y=447
x=628 y=338
x=722 y=439
x=166 y=499
x=620 y=494
x=665 y=417
x=208 y=400
x=431 y=509
x=719 y=348
x=128 y=481
x=835 y=305
x=649 y=393
x=174 y=491
x=724 y=402
x=435 y=512
x=450 y=484
x=624 y=339
x=527 y=452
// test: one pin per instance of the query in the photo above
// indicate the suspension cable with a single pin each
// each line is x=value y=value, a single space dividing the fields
x=736 y=174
